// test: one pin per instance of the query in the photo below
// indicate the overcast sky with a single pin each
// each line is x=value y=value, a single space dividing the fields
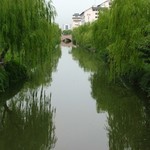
x=66 y=8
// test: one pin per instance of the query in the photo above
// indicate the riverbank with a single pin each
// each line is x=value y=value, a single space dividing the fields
x=137 y=80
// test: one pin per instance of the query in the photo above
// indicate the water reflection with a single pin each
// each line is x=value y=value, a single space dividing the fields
x=10 y=92
x=26 y=116
x=128 y=118
x=26 y=123
x=66 y=44
x=42 y=73
x=128 y=122
x=86 y=60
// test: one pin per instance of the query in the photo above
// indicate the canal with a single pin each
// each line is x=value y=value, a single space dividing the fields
x=74 y=108
x=78 y=125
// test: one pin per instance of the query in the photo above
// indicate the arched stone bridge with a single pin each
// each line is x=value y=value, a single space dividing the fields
x=66 y=38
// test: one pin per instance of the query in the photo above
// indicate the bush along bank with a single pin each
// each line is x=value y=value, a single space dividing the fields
x=11 y=73
x=121 y=37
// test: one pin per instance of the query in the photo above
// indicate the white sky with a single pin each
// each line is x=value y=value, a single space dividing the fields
x=66 y=8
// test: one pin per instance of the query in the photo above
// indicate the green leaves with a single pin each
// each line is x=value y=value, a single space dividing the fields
x=121 y=36
x=83 y=36
x=126 y=25
x=27 y=27
x=24 y=23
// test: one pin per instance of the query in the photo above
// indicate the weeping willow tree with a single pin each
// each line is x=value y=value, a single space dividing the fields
x=26 y=28
x=121 y=37
x=82 y=36
x=128 y=20
x=27 y=33
x=101 y=36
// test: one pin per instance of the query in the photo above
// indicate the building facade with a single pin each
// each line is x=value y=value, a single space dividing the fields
x=89 y=15
x=66 y=27
x=76 y=20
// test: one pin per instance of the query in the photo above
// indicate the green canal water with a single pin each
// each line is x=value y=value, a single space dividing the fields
x=71 y=105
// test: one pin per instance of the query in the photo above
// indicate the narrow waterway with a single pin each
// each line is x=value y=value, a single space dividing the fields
x=78 y=125
x=71 y=105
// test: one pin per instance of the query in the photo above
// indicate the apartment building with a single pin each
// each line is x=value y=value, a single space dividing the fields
x=76 y=20
x=66 y=26
x=89 y=15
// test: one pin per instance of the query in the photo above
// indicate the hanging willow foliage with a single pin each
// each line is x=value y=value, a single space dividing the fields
x=101 y=32
x=127 y=22
x=26 y=26
x=121 y=37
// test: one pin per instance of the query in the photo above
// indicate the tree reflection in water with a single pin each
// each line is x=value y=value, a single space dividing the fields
x=27 y=123
x=26 y=117
x=128 y=121
x=128 y=117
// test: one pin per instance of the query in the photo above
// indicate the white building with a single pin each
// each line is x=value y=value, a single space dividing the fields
x=66 y=27
x=89 y=15
x=76 y=20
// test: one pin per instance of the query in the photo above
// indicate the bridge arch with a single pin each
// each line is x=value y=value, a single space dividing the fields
x=66 y=38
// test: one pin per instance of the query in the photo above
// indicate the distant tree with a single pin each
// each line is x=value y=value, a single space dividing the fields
x=67 y=32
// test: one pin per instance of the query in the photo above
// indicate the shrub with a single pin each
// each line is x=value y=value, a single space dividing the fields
x=15 y=71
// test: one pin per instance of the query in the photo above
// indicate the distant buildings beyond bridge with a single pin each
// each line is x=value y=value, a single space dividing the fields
x=89 y=15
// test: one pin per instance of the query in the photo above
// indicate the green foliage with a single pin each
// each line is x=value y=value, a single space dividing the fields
x=100 y=32
x=56 y=32
x=28 y=28
x=67 y=32
x=126 y=24
x=82 y=36
x=4 y=81
x=144 y=45
x=11 y=73
x=129 y=34
x=15 y=71
x=33 y=34
x=33 y=27
x=121 y=36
